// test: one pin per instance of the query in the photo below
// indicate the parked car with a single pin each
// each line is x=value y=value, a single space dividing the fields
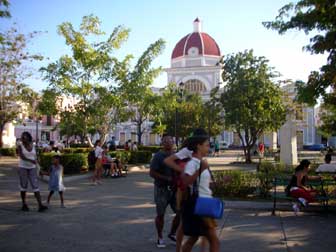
x=317 y=147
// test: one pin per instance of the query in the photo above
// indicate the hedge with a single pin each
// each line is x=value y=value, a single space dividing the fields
x=241 y=184
x=244 y=183
x=79 y=146
x=77 y=150
x=152 y=149
x=8 y=152
x=140 y=157
x=132 y=157
x=73 y=163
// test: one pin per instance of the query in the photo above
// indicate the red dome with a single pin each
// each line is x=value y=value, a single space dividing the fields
x=205 y=43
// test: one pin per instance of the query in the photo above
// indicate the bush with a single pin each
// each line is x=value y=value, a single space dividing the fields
x=73 y=163
x=132 y=157
x=79 y=146
x=152 y=149
x=76 y=150
x=11 y=152
x=122 y=155
x=140 y=157
x=242 y=184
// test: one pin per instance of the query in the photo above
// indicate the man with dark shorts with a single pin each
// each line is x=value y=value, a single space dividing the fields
x=164 y=194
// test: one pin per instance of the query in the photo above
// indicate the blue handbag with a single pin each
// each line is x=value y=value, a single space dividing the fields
x=208 y=207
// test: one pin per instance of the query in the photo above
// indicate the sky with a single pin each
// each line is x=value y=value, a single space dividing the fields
x=235 y=25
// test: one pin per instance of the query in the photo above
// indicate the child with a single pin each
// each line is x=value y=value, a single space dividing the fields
x=56 y=179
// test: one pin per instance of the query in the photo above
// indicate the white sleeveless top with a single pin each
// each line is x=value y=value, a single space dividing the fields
x=28 y=154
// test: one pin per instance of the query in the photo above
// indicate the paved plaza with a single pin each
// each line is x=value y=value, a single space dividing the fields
x=118 y=216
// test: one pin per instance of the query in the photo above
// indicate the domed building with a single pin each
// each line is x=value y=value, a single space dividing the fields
x=195 y=62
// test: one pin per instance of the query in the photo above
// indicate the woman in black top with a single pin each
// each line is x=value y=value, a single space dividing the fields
x=297 y=186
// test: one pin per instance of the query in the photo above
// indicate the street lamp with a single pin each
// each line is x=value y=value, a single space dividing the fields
x=179 y=100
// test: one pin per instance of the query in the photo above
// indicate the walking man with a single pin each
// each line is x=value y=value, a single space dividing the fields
x=164 y=193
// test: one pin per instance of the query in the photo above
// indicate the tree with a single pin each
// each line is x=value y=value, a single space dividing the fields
x=314 y=17
x=49 y=102
x=180 y=115
x=135 y=84
x=212 y=114
x=328 y=119
x=319 y=17
x=80 y=75
x=252 y=103
x=4 y=9
x=13 y=72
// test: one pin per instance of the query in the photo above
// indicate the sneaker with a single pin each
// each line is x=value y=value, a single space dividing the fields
x=172 y=237
x=296 y=208
x=25 y=208
x=160 y=243
x=42 y=208
x=303 y=201
x=62 y=205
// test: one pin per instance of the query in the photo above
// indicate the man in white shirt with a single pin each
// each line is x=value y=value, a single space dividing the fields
x=327 y=167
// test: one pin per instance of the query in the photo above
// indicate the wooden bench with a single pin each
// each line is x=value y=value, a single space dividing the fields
x=281 y=194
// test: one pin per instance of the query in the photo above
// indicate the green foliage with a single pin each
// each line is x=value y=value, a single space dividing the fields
x=252 y=103
x=134 y=85
x=48 y=104
x=79 y=146
x=121 y=154
x=188 y=111
x=318 y=18
x=267 y=172
x=152 y=149
x=328 y=118
x=4 y=9
x=140 y=157
x=132 y=157
x=73 y=163
x=8 y=152
x=78 y=75
x=77 y=150
x=242 y=184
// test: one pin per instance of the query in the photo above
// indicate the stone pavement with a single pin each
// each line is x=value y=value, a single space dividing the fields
x=118 y=216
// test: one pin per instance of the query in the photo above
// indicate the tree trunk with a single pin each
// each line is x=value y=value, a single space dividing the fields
x=248 y=159
x=139 y=133
x=2 y=126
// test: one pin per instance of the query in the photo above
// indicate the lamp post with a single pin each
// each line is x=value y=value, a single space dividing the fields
x=179 y=100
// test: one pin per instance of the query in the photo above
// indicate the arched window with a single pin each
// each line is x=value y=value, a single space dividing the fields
x=194 y=86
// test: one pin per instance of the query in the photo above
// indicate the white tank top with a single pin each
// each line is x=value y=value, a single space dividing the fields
x=28 y=154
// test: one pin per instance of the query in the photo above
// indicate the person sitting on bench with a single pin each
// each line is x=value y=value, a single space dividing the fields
x=327 y=167
x=297 y=186
x=108 y=163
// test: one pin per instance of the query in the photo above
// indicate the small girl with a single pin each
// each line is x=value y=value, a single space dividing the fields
x=56 y=179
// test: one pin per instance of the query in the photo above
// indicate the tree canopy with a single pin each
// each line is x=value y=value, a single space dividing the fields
x=319 y=19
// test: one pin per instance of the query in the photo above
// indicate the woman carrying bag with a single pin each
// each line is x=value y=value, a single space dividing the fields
x=198 y=179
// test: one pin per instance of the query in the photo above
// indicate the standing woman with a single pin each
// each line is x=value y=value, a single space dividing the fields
x=99 y=164
x=28 y=171
x=194 y=172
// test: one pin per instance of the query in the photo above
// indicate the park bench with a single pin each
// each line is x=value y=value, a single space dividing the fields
x=279 y=194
